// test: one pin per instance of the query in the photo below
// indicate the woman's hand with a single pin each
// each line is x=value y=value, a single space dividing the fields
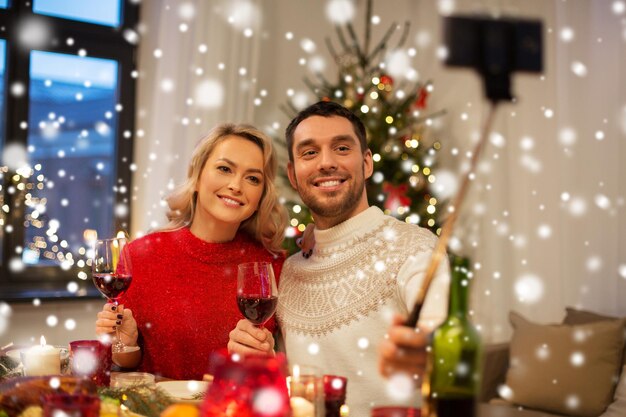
x=247 y=339
x=403 y=350
x=112 y=317
x=307 y=242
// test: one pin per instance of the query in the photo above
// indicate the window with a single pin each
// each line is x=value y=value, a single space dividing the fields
x=67 y=108
x=103 y=12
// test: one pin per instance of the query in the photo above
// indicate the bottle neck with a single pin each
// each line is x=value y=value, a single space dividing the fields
x=458 y=304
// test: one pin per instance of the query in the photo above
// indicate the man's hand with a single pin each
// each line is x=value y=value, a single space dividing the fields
x=403 y=350
x=247 y=339
x=307 y=242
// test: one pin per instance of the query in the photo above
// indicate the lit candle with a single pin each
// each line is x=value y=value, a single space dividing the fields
x=301 y=407
x=41 y=359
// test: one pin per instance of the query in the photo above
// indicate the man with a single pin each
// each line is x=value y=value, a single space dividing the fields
x=336 y=305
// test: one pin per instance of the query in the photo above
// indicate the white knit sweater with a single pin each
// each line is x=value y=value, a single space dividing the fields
x=335 y=307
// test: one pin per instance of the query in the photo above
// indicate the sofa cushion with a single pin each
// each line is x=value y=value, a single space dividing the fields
x=618 y=406
x=574 y=316
x=564 y=369
x=507 y=410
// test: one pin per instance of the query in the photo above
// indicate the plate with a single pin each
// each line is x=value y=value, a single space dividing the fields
x=184 y=391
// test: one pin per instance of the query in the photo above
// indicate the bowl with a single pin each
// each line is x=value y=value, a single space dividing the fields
x=128 y=358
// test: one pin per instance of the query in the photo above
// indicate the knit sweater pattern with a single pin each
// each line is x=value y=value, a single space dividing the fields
x=336 y=306
x=183 y=297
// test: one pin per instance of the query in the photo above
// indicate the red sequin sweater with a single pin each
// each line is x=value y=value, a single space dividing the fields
x=183 y=296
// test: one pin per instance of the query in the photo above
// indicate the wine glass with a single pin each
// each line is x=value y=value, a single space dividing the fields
x=257 y=295
x=112 y=274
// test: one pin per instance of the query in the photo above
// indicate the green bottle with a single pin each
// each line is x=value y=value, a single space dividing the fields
x=453 y=372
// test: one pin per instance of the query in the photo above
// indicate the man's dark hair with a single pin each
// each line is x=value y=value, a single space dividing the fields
x=326 y=109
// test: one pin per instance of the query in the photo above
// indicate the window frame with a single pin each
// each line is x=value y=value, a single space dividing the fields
x=99 y=41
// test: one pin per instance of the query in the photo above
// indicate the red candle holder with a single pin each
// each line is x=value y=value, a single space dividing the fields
x=396 y=412
x=71 y=405
x=251 y=386
x=91 y=359
x=334 y=394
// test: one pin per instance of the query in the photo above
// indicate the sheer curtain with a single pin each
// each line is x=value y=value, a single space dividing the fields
x=197 y=67
x=545 y=219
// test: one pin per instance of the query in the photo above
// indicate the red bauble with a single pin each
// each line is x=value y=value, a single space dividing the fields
x=386 y=80
x=422 y=97
x=396 y=196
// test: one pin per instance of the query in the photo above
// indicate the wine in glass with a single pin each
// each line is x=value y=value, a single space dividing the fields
x=112 y=274
x=257 y=294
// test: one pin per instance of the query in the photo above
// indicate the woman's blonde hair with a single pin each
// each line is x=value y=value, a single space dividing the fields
x=267 y=224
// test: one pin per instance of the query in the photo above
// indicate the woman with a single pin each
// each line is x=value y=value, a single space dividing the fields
x=182 y=299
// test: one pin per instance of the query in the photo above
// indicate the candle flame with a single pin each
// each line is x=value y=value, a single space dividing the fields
x=42 y=340
x=90 y=236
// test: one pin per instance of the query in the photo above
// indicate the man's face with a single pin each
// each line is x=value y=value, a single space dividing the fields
x=329 y=169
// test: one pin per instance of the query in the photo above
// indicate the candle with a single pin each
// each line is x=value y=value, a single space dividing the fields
x=41 y=359
x=301 y=407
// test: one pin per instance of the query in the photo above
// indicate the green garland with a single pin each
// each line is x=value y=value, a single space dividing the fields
x=140 y=399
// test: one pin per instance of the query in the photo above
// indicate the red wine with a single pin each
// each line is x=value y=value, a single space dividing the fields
x=333 y=407
x=112 y=286
x=454 y=407
x=257 y=309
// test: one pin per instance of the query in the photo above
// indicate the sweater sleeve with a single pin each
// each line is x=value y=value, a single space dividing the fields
x=410 y=279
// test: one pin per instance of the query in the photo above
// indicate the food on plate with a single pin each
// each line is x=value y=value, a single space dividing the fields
x=181 y=410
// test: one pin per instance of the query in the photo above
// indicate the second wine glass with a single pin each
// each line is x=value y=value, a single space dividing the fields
x=112 y=274
x=257 y=294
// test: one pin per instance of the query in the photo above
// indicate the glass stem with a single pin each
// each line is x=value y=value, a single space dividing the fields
x=118 y=345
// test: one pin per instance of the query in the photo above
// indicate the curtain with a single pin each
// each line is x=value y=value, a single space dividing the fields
x=197 y=66
x=544 y=223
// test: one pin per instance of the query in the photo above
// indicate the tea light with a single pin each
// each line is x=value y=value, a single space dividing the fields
x=41 y=359
x=302 y=407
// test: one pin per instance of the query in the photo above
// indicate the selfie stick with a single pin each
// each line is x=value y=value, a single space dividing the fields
x=495 y=48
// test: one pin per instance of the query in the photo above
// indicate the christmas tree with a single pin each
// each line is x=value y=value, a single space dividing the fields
x=394 y=114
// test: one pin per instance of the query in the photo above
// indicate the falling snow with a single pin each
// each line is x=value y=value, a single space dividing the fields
x=340 y=11
x=400 y=386
x=529 y=289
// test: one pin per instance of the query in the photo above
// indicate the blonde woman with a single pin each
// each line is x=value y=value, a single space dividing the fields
x=181 y=304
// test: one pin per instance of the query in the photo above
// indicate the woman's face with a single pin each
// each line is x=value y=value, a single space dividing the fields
x=230 y=186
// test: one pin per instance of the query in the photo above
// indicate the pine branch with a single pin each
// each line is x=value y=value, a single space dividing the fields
x=383 y=43
x=368 y=26
x=140 y=399
x=417 y=121
x=325 y=83
x=314 y=88
x=288 y=110
x=342 y=40
x=356 y=46
x=405 y=33
x=331 y=50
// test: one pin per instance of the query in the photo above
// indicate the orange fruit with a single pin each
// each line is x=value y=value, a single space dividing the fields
x=181 y=410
